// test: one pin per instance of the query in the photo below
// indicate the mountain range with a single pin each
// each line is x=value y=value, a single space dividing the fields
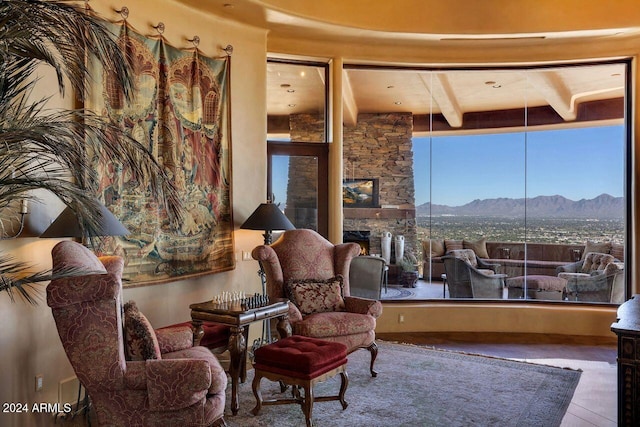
x=604 y=206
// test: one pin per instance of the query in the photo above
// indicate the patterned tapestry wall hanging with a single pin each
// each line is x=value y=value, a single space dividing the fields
x=180 y=112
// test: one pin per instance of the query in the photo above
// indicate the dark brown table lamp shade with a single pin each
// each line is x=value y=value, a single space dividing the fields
x=267 y=217
x=68 y=225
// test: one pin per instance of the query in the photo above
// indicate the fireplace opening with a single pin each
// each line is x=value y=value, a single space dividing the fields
x=359 y=237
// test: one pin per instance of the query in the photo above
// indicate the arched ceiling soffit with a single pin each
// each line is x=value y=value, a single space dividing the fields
x=432 y=20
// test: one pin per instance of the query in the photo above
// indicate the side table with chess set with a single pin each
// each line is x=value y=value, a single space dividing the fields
x=238 y=311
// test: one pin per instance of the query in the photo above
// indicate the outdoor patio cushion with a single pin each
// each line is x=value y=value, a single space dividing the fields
x=539 y=282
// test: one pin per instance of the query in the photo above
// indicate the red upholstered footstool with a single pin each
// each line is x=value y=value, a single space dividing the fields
x=300 y=362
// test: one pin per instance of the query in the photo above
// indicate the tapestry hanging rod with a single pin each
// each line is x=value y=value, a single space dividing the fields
x=124 y=12
x=159 y=28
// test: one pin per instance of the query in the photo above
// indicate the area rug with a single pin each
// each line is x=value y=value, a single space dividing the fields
x=418 y=386
x=395 y=292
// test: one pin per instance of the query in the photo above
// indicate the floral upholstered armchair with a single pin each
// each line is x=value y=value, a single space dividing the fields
x=170 y=382
x=597 y=278
x=314 y=274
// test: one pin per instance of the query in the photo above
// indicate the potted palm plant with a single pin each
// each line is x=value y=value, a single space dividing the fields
x=43 y=148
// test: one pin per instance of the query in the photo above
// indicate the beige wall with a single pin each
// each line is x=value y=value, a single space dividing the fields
x=28 y=339
x=29 y=343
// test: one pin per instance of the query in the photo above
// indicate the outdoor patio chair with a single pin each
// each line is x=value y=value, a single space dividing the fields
x=470 y=277
x=596 y=278
x=367 y=276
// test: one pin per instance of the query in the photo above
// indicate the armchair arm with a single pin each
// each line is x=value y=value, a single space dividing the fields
x=574 y=267
x=135 y=376
x=294 y=313
x=488 y=265
x=176 y=383
x=591 y=288
x=174 y=338
x=479 y=274
x=363 y=306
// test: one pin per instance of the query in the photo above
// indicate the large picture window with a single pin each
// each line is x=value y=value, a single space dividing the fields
x=504 y=183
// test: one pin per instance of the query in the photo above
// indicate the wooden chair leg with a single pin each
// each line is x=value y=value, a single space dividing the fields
x=343 y=388
x=255 y=386
x=373 y=349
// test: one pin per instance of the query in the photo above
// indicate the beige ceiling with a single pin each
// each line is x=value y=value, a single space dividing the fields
x=448 y=26
x=296 y=89
x=420 y=21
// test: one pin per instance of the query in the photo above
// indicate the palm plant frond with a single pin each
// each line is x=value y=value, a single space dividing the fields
x=17 y=278
x=51 y=149
x=61 y=35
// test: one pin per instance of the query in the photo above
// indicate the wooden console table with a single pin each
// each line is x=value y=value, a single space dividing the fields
x=627 y=328
x=238 y=318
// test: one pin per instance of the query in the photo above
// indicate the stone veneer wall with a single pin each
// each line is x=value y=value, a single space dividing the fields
x=302 y=184
x=380 y=146
x=306 y=127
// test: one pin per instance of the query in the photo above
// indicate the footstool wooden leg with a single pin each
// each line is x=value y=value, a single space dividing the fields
x=343 y=388
x=307 y=406
x=255 y=386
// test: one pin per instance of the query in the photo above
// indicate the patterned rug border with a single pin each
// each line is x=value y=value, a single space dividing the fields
x=465 y=353
x=404 y=293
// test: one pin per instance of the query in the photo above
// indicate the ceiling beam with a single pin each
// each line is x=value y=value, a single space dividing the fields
x=442 y=93
x=349 y=106
x=591 y=111
x=552 y=88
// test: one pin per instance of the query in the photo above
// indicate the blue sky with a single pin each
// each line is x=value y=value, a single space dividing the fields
x=575 y=163
x=280 y=178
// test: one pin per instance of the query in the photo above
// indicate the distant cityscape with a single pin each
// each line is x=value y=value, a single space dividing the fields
x=541 y=230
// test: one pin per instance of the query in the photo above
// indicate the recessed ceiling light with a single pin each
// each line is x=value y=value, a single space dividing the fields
x=390 y=87
x=292 y=105
x=285 y=85
x=291 y=90
x=490 y=83
x=398 y=102
x=228 y=5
